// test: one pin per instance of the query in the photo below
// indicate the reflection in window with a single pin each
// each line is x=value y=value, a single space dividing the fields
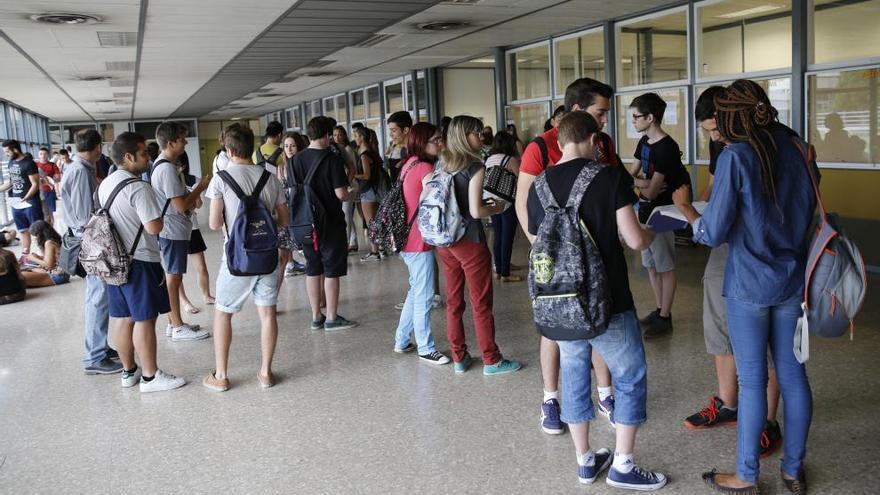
x=583 y=56
x=845 y=30
x=529 y=119
x=330 y=108
x=422 y=96
x=107 y=134
x=293 y=118
x=843 y=125
x=341 y=109
x=528 y=73
x=358 y=109
x=393 y=98
x=675 y=121
x=373 y=103
x=653 y=50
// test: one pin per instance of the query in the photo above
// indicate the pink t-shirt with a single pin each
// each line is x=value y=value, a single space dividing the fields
x=412 y=191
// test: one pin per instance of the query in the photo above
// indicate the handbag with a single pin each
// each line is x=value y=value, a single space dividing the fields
x=68 y=258
x=501 y=182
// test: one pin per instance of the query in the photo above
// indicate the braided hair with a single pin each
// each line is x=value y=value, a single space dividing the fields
x=744 y=113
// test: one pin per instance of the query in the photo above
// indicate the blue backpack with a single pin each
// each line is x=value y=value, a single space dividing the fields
x=252 y=242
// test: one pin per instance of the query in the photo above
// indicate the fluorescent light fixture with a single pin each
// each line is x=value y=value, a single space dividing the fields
x=760 y=9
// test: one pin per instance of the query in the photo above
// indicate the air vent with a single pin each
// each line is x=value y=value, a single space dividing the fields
x=58 y=18
x=126 y=94
x=92 y=78
x=122 y=83
x=375 y=40
x=441 y=26
x=113 y=39
x=120 y=66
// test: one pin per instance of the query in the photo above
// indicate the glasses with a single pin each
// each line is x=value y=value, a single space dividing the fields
x=637 y=116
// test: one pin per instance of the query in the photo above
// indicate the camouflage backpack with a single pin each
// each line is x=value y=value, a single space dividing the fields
x=568 y=284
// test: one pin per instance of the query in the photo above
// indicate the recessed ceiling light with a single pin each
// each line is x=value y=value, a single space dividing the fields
x=59 y=18
x=747 y=12
x=442 y=25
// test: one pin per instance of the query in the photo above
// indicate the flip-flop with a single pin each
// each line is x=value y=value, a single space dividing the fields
x=210 y=302
x=189 y=308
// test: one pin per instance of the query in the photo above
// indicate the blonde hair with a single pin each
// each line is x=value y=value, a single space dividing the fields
x=458 y=153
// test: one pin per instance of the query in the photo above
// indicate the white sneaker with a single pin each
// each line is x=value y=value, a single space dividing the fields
x=169 y=328
x=161 y=382
x=186 y=332
x=131 y=379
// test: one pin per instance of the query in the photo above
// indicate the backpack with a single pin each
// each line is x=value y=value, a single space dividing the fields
x=568 y=284
x=440 y=220
x=252 y=242
x=835 y=284
x=389 y=229
x=272 y=159
x=545 y=153
x=307 y=212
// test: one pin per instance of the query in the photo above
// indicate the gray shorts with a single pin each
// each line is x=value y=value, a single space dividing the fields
x=715 y=329
x=660 y=255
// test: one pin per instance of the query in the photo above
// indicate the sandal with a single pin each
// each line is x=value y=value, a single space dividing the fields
x=189 y=308
x=798 y=486
x=210 y=300
x=709 y=479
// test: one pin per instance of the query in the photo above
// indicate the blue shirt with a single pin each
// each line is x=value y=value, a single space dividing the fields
x=78 y=185
x=768 y=240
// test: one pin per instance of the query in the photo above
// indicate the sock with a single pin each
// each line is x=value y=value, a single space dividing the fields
x=725 y=406
x=588 y=458
x=147 y=378
x=605 y=392
x=131 y=371
x=551 y=395
x=623 y=463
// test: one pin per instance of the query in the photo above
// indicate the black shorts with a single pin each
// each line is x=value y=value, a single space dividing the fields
x=197 y=243
x=331 y=260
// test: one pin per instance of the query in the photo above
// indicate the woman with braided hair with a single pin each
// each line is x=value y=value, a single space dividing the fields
x=762 y=205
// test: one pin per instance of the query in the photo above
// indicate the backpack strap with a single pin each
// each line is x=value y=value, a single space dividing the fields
x=581 y=183
x=809 y=156
x=545 y=153
x=260 y=157
x=542 y=188
x=224 y=175
x=273 y=158
x=116 y=190
x=137 y=238
x=311 y=175
x=264 y=178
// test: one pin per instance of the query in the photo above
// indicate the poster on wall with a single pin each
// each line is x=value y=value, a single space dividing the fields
x=670 y=117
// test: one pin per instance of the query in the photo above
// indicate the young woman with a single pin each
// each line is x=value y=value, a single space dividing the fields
x=511 y=129
x=469 y=258
x=292 y=143
x=369 y=167
x=504 y=225
x=197 y=250
x=340 y=137
x=762 y=205
x=47 y=272
x=12 y=283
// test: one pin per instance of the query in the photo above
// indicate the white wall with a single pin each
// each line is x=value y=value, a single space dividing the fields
x=470 y=92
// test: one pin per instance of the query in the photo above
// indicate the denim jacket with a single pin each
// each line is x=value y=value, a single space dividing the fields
x=768 y=240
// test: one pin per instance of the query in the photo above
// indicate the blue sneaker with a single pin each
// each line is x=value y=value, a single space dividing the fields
x=636 y=479
x=588 y=474
x=463 y=365
x=501 y=367
x=550 y=422
x=606 y=408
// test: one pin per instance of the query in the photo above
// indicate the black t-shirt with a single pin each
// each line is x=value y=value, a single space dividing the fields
x=662 y=157
x=375 y=170
x=715 y=148
x=611 y=189
x=329 y=177
x=20 y=172
x=461 y=181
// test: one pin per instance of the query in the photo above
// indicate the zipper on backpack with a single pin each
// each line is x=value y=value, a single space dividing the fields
x=556 y=296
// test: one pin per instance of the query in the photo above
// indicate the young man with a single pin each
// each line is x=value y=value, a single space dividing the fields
x=78 y=186
x=63 y=160
x=233 y=291
x=174 y=238
x=722 y=409
x=399 y=124
x=24 y=192
x=50 y=175
x=326 y=264
x=270 y=154
x=606 y=209
x=593 y=97
x=658 y=172
x=137 y=216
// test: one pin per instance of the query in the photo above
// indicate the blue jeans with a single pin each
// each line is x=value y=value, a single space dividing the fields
x=416 y=314
x=504 y=225
x=622 y=349
x=97 y=318
x=752 y=328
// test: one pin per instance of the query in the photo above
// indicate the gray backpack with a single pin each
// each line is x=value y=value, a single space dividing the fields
x=568 y=284
x=835 y=276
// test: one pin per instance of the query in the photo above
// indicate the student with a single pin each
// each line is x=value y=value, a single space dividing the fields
x=722 y=409
x=24 y=192
x=221 y=159
x=78 y=186
x=593 y=97
x=340 y=137
x=47 y=272
x=8 y=237
x=419 y=257
x=137 y=216
x=325 y=265
x=486 y=137
x=196 y=251
x=12 y=283
x=469 y=258
x=292 y=144
x=605 y=209
x=399 y=124
x=63 y=160
x=177 y=226
x=233 y=291
x=50 y=176
x=762 y=205
x=511 y=129
x=503 y=154
x=367 y=176
x=269 y=153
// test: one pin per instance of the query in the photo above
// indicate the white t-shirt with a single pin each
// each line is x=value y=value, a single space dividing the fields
x=246 y=176
x=221 y=162
x=168 y=183
x=135 y=205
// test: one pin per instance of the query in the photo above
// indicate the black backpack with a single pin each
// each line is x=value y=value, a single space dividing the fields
x=307 y=212
x=272 y=159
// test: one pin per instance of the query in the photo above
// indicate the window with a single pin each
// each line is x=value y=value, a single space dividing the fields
x=393 y=97
x=529 y=119
x=107 y=134
x=18 y=124
x=373 y=103
x=293 y=118
x=3 y=132
x=675 y=121
x=842 y=124
x=653 y=49
x=71 y=130
x=54 y=135
x=845 y=30
x=580 y=56
x=528 y=72
x=422 y=98
x=330 y=108
x=341 y=109
x=358 y=109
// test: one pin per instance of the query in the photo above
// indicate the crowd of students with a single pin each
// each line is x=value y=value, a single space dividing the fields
x=752 y=285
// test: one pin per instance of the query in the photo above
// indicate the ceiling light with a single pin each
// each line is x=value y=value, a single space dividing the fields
x=442 y=25
x=482 y=61
x=747 y=12
x=120 y=66
x=113 y=39
x=59 y=18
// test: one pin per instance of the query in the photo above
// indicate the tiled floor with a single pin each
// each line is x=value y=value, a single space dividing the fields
x=350 y=416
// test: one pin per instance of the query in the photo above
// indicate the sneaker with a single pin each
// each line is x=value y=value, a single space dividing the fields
x=653 y=315
x=131 y=379
x=403 y=350
x=169 y=328
x=293 y=268
x=340 y=323
x=660 y=327
x=550 y=422
x=105 y=366
x=588 y=474
x=112 y=354
x=636 y=479
x=319 y=323
x=461 y=366
x=606 y=408
x=161 y=382
x=216 y=384
x=715 y=414
x=383 y=255
x=187 y=332
x=501 y=367
x=369 y=257
x=438 y=302
x=771 y=438
x=435 y=357
x=399 y=306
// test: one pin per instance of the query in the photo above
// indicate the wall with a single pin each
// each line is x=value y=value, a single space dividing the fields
x=470 y=92
x=209 y=143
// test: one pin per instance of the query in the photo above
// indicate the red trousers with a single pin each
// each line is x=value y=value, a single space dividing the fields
x=469 y=261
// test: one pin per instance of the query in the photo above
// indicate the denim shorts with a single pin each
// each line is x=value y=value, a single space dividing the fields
x=622 y=349
x=233 y=291
x=59 y=278
x=174 y=255
x=144 y=297
x=49 y=198
x=368 y=195
x=28 y=216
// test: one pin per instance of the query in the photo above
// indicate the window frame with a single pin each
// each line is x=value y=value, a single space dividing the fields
x=578 y=34
x=618 y=67
x=511 y=90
